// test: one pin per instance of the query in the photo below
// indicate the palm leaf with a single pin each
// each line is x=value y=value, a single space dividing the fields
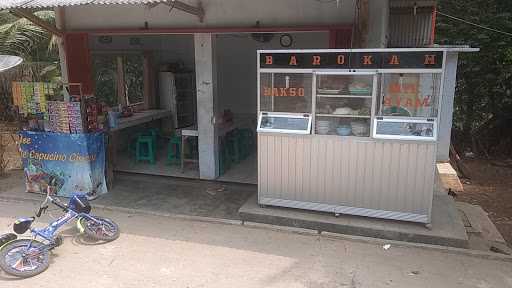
x=21 y=37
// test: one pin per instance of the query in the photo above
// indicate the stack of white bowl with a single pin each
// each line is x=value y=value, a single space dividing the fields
x=323 y=126
x=360 y=128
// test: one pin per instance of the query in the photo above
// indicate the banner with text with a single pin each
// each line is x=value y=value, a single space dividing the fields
x=69 y=163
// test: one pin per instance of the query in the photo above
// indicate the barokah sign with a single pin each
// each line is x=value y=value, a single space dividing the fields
x=353 y=60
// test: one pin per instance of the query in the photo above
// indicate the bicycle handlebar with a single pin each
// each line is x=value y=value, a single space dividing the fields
x=44 y=205
x=41 y=211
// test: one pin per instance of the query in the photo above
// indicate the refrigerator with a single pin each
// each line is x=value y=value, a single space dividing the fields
x=167 y=96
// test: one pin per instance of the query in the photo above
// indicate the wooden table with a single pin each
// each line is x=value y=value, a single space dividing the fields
x=141 y=118
x=137 y=118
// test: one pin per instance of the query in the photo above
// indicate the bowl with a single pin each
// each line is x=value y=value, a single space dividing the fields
x=344 y=131
x=360 y=128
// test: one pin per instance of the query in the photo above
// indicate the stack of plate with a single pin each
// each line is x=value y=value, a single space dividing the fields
x=360 y=128
x=323 y=126
x=359 y=91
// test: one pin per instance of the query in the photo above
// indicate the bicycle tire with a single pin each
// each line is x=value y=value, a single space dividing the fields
x=44 y=258
x=90 y=229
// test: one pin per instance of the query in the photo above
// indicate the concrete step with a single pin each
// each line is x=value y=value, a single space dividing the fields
x=482 y=233
x=447 y=226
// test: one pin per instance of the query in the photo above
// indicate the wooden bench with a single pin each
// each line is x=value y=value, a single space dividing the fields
x=448 y=177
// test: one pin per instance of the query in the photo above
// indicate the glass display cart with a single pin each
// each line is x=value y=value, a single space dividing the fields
x=337 y=136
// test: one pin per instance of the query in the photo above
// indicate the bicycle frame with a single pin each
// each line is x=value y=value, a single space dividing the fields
x=48 y=233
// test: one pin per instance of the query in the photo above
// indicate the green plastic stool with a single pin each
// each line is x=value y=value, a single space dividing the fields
x=173 y=150
x=193 y=151
x=144 y=149
x=246 y=142
x=233 y=146
x=224 y=159
x=153 y=132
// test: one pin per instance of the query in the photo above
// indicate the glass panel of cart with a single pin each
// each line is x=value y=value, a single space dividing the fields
x=344 y=104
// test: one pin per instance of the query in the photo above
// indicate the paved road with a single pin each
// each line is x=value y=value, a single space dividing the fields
x=165 y=252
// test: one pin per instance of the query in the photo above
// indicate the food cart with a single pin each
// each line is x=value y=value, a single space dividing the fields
x=351 y=131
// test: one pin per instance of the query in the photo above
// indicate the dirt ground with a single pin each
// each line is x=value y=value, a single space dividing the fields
x=490 y=186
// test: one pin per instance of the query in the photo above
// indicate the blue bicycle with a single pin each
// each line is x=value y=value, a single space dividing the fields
x=29 y=257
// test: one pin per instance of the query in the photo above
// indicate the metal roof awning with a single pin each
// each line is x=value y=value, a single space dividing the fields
x=34 y=4
x=39 y=4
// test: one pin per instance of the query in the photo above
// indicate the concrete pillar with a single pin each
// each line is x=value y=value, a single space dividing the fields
x=378 y=20
x=446 y=110
x=205 y=76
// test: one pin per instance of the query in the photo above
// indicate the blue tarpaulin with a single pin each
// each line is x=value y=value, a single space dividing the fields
x=72 y=163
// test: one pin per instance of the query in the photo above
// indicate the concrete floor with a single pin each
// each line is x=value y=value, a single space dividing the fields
x=244 y=172
x=165 y=195
x=167 y=252
x=127 y=163
x=178 y=196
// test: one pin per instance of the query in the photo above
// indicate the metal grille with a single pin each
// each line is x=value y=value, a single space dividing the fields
x=408 y=29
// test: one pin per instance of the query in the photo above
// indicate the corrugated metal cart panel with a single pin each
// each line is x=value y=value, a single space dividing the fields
x=385 y=179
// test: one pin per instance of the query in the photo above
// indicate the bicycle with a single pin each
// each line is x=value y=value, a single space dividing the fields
x=28 y=257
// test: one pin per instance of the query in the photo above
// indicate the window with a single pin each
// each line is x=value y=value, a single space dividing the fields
x=284 y=123
x=405 y=129
x=408 y=106
x=410 y=94
x=105 y=76
x=134 y=79
x=286 y=92
x=344 y=104
x=119 y=79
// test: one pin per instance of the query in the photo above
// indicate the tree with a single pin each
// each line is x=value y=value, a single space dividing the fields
x=36 y=46
x=19 y=36
x=484 y=80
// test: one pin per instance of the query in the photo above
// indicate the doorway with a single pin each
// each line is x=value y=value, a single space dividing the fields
x=236 y=95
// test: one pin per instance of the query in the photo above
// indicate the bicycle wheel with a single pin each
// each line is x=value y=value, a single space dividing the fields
x=102 y=229
x=17 y=259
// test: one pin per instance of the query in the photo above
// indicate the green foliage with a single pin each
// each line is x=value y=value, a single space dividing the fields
x=105 y=77
x=19 y=36
x=36 y=46
x=484 y=85
x=134 y=78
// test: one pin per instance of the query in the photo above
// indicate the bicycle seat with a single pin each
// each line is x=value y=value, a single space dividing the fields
x=21 y=225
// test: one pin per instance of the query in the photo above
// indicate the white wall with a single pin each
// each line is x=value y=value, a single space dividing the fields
x=236 y=66
x=218 y=13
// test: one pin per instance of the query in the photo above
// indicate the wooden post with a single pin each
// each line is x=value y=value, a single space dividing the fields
x=121 y=89
x=24 y=13
x=79 y=62
x=149 y=95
